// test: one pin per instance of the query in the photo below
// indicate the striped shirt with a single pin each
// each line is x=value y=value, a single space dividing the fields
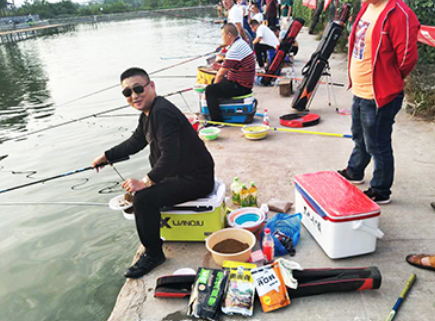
x=240 y=61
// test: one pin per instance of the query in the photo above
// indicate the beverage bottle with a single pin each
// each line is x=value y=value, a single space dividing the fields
x=268 y=246
x=253 y=195
x=266 y=118
x=235 y=191
x=244 y=196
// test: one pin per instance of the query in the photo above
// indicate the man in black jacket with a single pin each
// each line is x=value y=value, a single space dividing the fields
x=182 y=168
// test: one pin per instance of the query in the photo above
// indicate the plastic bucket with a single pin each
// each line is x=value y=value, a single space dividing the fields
x=238 y=234
x=249 y=218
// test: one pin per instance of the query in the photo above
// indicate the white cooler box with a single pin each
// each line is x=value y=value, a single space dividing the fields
x=342 y=219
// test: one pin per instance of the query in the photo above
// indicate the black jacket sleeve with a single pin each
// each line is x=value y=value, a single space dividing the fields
x=167 y=130
x=132 y=145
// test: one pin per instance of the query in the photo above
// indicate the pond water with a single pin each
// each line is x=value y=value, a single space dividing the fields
x=63 y=251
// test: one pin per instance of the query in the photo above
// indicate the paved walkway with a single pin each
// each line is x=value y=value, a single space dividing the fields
x=408 y=222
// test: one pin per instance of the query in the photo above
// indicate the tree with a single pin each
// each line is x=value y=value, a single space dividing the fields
x=3 y=4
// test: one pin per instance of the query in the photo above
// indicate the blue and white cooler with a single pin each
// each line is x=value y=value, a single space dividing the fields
x=340 y=217
x=240 y=109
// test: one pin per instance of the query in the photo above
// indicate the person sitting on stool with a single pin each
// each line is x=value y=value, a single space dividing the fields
x=182 y=169
x=265 y=40
x=239 y=69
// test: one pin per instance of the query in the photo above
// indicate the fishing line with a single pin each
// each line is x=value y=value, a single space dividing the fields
x=188 y=107
x=54 y=203
x=61 y=175
x=29 y=173
x=151 y=73
x=179 y=57
x=117 y=172
x=176 y=76
x=88 y=116
x=183 y=17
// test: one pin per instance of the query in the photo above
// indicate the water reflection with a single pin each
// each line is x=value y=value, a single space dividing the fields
x=23 y=89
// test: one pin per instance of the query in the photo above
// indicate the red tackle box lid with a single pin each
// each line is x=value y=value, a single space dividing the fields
x=336 y=197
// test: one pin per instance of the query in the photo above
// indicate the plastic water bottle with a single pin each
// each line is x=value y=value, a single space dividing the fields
x=265 y=208
x=268 y=246
x=236 y=186
x=253 y=191
x=266 y=118
x=244 y=196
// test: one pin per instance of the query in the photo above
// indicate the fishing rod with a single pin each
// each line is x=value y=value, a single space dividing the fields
x=299 y=79
x=151 y=73
x=176 y=76
x=92 y=115
x=184 y=17
x=280 y=129
x=402 y=297
x=179 y=57
x=53 y=203
x=62 y=175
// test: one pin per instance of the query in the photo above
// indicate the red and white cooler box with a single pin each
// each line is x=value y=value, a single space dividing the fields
x=342 y=219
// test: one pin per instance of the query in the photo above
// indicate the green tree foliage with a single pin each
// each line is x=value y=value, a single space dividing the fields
x=46 y=9
x=425 y=11
x=3 y=4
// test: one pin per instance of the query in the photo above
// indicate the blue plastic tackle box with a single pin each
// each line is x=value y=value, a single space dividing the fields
x=240 y=109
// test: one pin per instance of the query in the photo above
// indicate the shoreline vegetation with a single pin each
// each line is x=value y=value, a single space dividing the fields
x=419 y=89
x=68 y=8
x=419 y=85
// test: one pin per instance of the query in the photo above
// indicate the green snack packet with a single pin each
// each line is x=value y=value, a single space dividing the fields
x=207 y=294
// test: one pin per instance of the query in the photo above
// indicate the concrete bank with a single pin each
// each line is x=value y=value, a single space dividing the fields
x=408 y=222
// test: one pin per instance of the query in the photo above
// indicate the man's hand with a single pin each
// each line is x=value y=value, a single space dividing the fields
x=99 y=160
x=133 y=185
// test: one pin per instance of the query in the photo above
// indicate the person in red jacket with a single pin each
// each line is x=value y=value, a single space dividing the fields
x=382 y=52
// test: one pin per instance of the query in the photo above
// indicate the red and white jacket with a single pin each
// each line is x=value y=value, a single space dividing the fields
x=394 y=49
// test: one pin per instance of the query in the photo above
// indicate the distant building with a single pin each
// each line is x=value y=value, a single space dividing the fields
x=10 y=6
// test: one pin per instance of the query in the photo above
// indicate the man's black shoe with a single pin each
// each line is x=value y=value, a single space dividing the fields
x=376 y=197
x=346 y=175
x=144 y=265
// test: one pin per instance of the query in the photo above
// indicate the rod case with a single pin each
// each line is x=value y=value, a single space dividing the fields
x=310 y=282
x=174 y=286
x=284 y=48
x=321 y=281
x=314 y=68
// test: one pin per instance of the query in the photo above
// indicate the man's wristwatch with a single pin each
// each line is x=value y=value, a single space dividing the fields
x=147 y=182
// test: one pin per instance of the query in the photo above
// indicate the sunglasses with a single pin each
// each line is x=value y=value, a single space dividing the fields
x=138 y=89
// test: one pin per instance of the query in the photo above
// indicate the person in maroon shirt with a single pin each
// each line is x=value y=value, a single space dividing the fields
x=271 y=10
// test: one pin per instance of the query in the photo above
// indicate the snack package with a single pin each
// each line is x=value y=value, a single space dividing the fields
x=270 y=287
x=207 y=294
x=240 y=294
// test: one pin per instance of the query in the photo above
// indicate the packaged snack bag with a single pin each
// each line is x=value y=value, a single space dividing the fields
x=207 y=294
x=270 y=287
x=240 y=294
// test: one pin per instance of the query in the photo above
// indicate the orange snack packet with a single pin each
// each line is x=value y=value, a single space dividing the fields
x=270 y=287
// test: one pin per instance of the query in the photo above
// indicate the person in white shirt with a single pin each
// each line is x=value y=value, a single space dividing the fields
x=265 y=40
x=235 y=16
x=256 y=14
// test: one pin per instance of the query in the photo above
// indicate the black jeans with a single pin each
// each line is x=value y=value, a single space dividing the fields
x=170 y=191
x=261 y=53
x=223 y=89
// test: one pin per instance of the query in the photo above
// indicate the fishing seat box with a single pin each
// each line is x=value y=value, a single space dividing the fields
x=194 y=220
x=240 y=109
x=340 y=217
